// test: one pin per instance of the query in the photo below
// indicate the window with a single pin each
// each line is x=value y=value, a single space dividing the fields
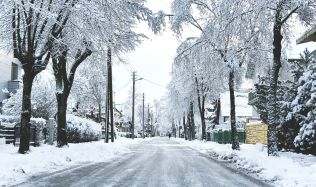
x=14 y=72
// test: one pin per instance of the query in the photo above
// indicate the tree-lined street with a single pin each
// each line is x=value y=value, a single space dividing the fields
x=157 y=92
x=158 y=162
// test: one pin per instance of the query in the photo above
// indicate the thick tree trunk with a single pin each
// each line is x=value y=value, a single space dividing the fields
x=28 y=78
x=62 y=90
x=61 y=119
x=235 y=141
x=218 y=110
x=272 y=109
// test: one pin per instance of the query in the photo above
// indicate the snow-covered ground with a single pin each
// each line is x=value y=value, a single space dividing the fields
x=289 y=169
x=15 y=168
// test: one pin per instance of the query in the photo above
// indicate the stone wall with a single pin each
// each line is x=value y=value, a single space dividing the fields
x=256 y=133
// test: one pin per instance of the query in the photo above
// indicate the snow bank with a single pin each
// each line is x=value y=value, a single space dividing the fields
x=15 y=168
x=290 y=169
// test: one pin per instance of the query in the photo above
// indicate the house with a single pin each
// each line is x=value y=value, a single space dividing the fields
x=10 y=75
x=243 y=109
x=309 y=36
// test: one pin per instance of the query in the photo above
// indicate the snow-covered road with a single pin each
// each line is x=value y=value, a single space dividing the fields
x=158 y=162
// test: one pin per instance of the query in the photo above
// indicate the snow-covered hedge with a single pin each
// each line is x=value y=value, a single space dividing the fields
x=82 y=130
x=40 y=123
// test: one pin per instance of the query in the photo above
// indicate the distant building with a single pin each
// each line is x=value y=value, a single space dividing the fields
x=10 y=76
x=309 y=36
x=243 y=109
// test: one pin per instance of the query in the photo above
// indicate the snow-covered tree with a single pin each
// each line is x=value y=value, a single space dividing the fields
x=226 y=31
x=288 y=122
x=43 y=100
x=95 y=29
x=304 y=110
x=28 y=28
x=273 y=21
x=88 y=92
x=197 y=78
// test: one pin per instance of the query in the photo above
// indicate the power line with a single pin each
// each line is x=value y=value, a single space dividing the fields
x=127 y=68
x=152 y=82
x=124 y=86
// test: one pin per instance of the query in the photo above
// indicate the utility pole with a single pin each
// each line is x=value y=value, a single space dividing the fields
x=133 y=105
x=143 y=115
x=110 y=92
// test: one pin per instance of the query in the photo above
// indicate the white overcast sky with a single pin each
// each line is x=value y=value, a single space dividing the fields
x=152 y=60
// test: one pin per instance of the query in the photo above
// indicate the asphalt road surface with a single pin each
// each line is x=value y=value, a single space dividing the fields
x=158 y=162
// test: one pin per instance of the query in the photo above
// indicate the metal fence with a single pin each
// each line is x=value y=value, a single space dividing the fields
x=225 y=136
x=32 y=135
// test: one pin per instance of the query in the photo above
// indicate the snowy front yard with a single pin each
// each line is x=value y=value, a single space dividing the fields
x=290 y=169
x=15 y=168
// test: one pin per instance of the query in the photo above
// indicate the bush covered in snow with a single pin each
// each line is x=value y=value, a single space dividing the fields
x=82 y=130
x=43 y=98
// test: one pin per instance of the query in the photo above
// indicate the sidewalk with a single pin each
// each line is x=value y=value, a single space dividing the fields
x=15 y=168
x=289 y=169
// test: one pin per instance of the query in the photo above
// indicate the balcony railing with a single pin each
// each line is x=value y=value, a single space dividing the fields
x=13 y=86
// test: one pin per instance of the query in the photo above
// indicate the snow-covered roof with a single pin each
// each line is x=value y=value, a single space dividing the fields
x=309 y=36
x=242 y=107
x=5 y=58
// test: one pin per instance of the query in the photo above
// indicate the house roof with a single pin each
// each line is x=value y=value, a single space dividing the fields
x=241 y=101
x=309 y=36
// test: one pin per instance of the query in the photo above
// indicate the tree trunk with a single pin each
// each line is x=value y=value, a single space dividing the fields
x=235 y=141
x=107 y=126
x=60 y=73
x=201 y=104
x=179 y=128
x=28 y=78
x=189 y=126
x=61 y=119
x=272 y=109
x=192 y=124
x=99 y=117
x=203 y=124
x=202 y=116
x=63 y=87
x=184 y=127
x=218 y=111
